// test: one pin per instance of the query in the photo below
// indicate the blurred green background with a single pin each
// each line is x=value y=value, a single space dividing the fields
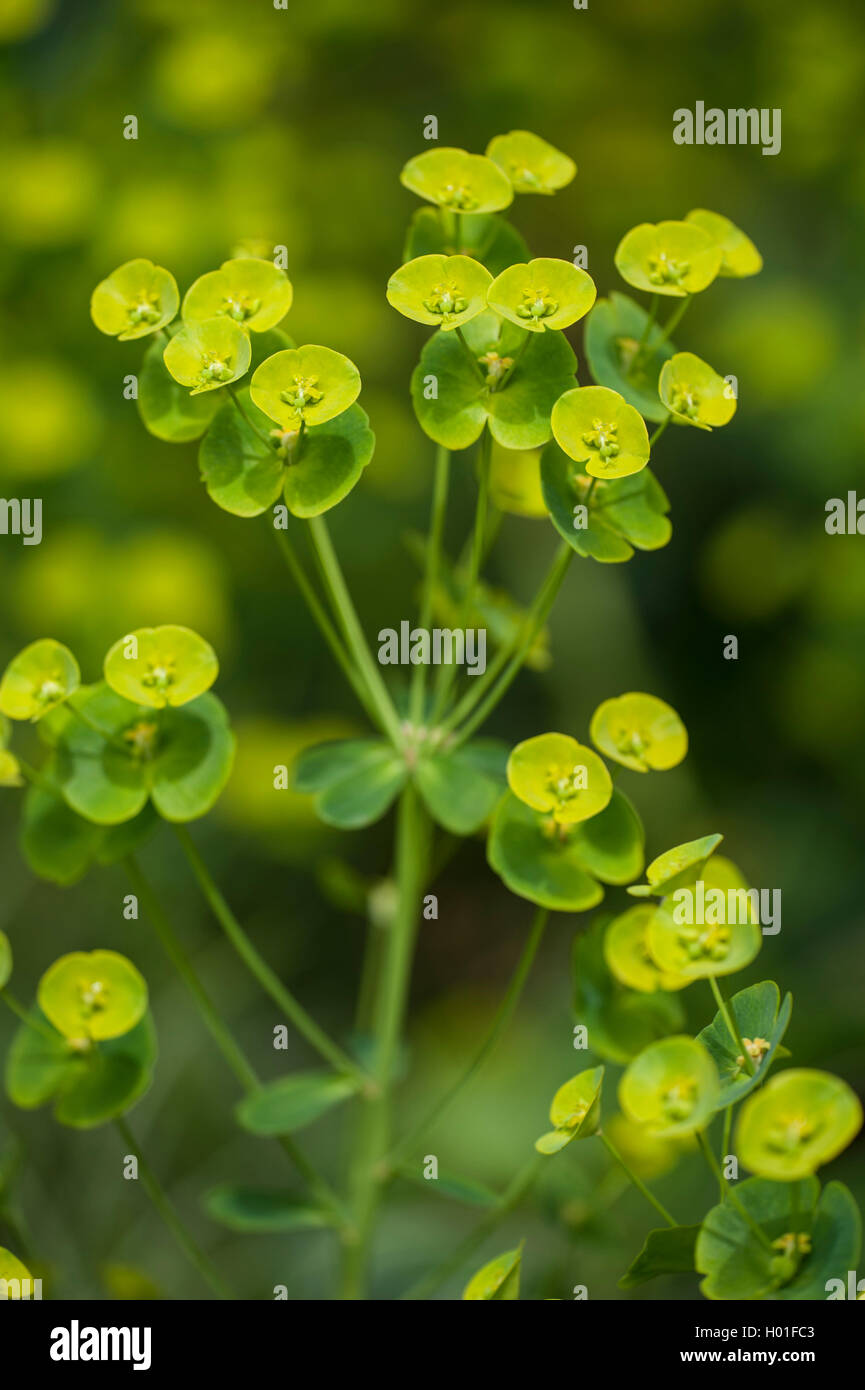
x=292 y=126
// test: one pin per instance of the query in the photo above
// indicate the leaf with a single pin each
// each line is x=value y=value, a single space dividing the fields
x=498 y=1281
x=621 y=515
x=614 y=331
x=292 y=1102
x=167 y=409
x=37 y=1063
x=356 y=780
x=836 y=1238
x=474 y=1194
x=332 y=459
x=736 y=1263
x=456 y=791
x=57 y=844
x=194 y=759
x=535 y=865
x=610 y=845
x=490 y=239
x=99 y=780
x=242 y=474
x=261 y=1210
x=669 y=1250
x=112 y=1081
x=117 y=841
x=758 y=1013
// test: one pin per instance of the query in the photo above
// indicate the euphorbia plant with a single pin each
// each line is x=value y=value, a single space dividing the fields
x=283 y=436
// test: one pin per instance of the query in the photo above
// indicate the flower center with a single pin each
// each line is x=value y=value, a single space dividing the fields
x=159 y=675
x=50 y=689
x=143 y=309
x=756 y=1049
x=706 y=942
x=630 y=741
x=458 y=195
x=686 y=402
x=93 y=998
x=142 y=738
x=576 y=1116
x=495 y=366
x=602 y=438
x=214 y=368
x=789 y=1133
x=566 y=785
x=445 y=300
x=679 y=1099
x=301 y=393
x=666 y=270
x=240 y=307
x=536 y=304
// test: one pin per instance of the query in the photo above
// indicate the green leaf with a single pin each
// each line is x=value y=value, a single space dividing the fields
x=498 y=1281
x=39 y=1060
x=614 y=332
x=242 y=474
x=113 y=1079
x=56 y=843
x=194 y=759
x=98 y=779
x=519 y=412
x=669 y=1250
x=117 y=841
x=836 y=1239
x=354 y=781
x=758 y=1014
x=536 y=865
x=331 y=461
x=490 y=239
x=260 y=1210
x=474 y=1194
x=621 y=514
x=456 y=789
x=610 y=845
x=679 y=867
x=286 y=1105
x=737 y=1264
x=166 y=408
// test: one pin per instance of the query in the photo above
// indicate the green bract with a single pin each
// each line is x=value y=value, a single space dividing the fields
x=253 y=292
x=515 y=482
x=458 y=181
x=167 y=409
x=38 y=679
x=555 y=774
x=93 y=995
x=621 y=1022
x=5 y=960
x=575 y=1112
x=639 y=731
x=761 y=1021
x=460 y=789
x=531 y=164
x=675 y=258
x=61 y=846
x=627 y=953
x=136 y=299
x=159 y=666
x=740 y=256
x=619 y=515
x=512 y=386
x=672 y=1087
x=354 y=781
x=498 y=1281
x=208 y=354
x=626 y=353
x=485 y=236
x=11 y=1269
x=676 y=867
x=108 y=769
x=10 y=770
x=708 y=928
x=599 y=430
x=544 y=294
x=304 y=386
x=694 y=393
x=292 y=1102
x=442 y=290
x=798 y=1121
x=810 y=1242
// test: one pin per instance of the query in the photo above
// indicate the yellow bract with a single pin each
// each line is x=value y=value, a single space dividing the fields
x=554 y=773
x=159 y=666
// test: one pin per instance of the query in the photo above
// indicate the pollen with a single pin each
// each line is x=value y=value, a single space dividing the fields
x=602 y=437
x=536 y=304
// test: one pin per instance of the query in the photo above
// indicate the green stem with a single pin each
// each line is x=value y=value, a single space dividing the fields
x=638 y=1182
x=725 y=1147
x=536 y=618
x=518 y=1188
x=266 y=977
x=475 y=364
x=17 y=1008
x=352 y=630
x=673 y=321
x=727 y=1015
x=106 y=735
x=235 y=399
x=372 y=1139
x=433 y=564
x=500 y=385
x=656 y=434
x=448 y=673
x=502 y=1018
x=715 y=1169
x=647 y=327
x=154 y=1190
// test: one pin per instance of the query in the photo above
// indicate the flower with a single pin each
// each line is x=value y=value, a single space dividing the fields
x=797 y=1122
x=708 y=928
x=531 y=164
x=627 y=954
x=640 y=732
x=602 y=433
x=740 y=256
x=541 y=294
x=445 y=291
x=93 y=995
x=159 y=666
x=674 y=258
x=305 y=386
x=38 y=679
x=208 y=354
x=554 y=773
x=575 y=1112
x=135 y=299
x=458 y=181
x=253 y=292
x=694 y=393
x=672 y=1087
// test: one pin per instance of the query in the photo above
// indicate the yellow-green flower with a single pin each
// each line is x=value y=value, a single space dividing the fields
x=627 y=954
x=445 y=291
x=602 y=433
x=672 y=1087
x=15 y=1275
x=639 y=731
x=575 y=1112
x=458 y=181
x=135 y=299
x=38 y=679
x=531 y=164
x=706 y=928
x=541 y=294
x=674 y=258
x=159 y=666
x=93 y=995
x=305 y=386
x=254 y=293
x=209 y=354
x=555 y=774
x=794 y=1124
x=496 y=1282
x=740 y=255
x=694 y=393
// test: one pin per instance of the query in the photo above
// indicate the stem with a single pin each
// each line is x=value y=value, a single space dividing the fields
x=449 y=672
x=638 y=1182
x=509 y=1199
x=235 y=399
x=325 y=626
x=503 y=1015
x=659 y=431
x=742 y=1210
x=536 y=618
x=475 y=364
x=373 y=1135
x=647 y=328
x=19 y=1010
x=194 y=1254
x=500 y=385
x=433 y=564
x=352 y=629
x=730 y=1021
x=104 y=734
x=259 y=968
x=673 y=321
x=725 y=1146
